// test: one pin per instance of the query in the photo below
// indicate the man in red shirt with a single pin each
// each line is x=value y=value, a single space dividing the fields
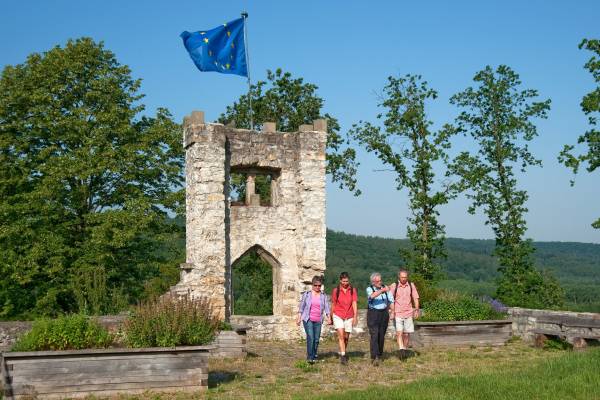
x=404 y=308
x=345 y=313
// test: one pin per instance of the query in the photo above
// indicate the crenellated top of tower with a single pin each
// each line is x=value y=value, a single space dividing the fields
x=194 y=125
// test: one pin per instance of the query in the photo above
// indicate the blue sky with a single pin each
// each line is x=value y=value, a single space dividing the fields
x=348 y=49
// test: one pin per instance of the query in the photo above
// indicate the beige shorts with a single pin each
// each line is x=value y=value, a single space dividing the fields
x=405 y=325
x=345 y=324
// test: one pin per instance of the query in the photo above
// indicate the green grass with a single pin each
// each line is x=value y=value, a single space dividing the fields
x=569 y=376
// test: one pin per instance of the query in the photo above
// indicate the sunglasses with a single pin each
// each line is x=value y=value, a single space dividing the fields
x=317 y=285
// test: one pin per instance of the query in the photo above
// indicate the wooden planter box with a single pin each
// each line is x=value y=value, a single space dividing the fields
x=103 y=372
x=230 y=344
x=462 y=333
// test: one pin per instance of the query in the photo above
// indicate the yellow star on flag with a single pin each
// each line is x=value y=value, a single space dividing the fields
x=227 y=65
x=228 y=34
x=205 y=40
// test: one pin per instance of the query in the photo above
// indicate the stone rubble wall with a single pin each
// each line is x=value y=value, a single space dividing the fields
x=526 y=321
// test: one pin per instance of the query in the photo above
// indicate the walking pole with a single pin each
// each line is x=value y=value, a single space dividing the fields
x=245 y=16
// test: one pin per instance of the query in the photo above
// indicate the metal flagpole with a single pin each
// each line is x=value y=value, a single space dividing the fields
x=245 y=16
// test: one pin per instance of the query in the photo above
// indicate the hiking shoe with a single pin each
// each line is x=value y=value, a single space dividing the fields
x=344 y=360
x=375 y=362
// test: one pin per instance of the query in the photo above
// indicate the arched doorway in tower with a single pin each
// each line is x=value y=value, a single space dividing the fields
x=253 y=274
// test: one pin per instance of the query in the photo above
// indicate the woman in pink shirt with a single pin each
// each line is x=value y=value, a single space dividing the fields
x=313 y=308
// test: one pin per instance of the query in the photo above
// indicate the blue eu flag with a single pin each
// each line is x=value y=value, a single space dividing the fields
x=220 y=49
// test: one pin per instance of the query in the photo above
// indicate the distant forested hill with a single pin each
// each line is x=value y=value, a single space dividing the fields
x=470 y=266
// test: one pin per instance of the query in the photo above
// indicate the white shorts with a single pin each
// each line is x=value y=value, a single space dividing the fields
x=345 y=324
x=405 y=325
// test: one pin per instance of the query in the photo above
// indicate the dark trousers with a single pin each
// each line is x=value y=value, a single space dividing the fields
x=377 y=321
x=313 y=334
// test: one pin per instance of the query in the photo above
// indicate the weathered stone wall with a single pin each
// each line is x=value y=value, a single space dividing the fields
x=289 y=234
x=526 y=321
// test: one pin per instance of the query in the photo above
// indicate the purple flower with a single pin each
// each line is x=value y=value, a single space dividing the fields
x=496 y=304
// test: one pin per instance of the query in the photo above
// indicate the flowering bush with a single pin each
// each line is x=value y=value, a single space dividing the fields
x=171 y=321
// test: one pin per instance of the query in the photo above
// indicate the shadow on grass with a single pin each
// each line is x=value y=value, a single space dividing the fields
x=405 y=354
x=335 y=355
x=216 y=378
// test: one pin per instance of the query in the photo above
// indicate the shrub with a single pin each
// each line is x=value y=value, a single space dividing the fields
x=71 y=332
x=427 y=291
x=453 y=306
x=171 y=321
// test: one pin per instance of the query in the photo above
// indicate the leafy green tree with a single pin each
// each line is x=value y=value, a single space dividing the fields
x=290 y=102
x=410 y=147
x=590 y=104
x=498 y=117
x=85 y=181
x=252 y=286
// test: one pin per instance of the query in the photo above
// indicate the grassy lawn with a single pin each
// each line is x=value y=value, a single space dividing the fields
x=569 y=376
x=276 y=370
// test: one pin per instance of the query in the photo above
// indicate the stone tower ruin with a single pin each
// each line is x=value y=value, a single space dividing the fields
x=288 y=232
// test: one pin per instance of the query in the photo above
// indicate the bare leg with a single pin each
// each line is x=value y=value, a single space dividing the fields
x=399 y=339
x=342 y=341
x=405 y=338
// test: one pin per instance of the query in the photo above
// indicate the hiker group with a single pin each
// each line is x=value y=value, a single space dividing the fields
x=398 y=302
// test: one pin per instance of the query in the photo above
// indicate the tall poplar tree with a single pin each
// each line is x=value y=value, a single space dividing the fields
x=498 y=116
x=408 y=145
x=590 y=105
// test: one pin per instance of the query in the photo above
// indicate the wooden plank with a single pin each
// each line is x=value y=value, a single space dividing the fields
x=468 y=328
x=142 y=357
x=91 y=380
x=123 y=387
x=462 y=333
x=464 y=323
x=149 y=350
x=117 y=365
x=80 y=377
x=6 y=384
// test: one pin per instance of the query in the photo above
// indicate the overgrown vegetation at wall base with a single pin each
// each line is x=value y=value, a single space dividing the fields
x=170 y=321
x=453 y=306
x=70 y=332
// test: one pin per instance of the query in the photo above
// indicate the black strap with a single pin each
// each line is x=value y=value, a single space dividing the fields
x=337 y=294
x=387 y=300
x=412 y=301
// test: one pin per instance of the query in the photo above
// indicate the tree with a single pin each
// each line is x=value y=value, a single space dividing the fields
x=590 y=105
x=407 y=127
x=252 y=282
x=497 y=115
x=85 y=182
x=290 y=102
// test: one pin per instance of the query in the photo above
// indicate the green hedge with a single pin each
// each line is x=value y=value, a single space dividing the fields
x=71 y=332
x=451 y=306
